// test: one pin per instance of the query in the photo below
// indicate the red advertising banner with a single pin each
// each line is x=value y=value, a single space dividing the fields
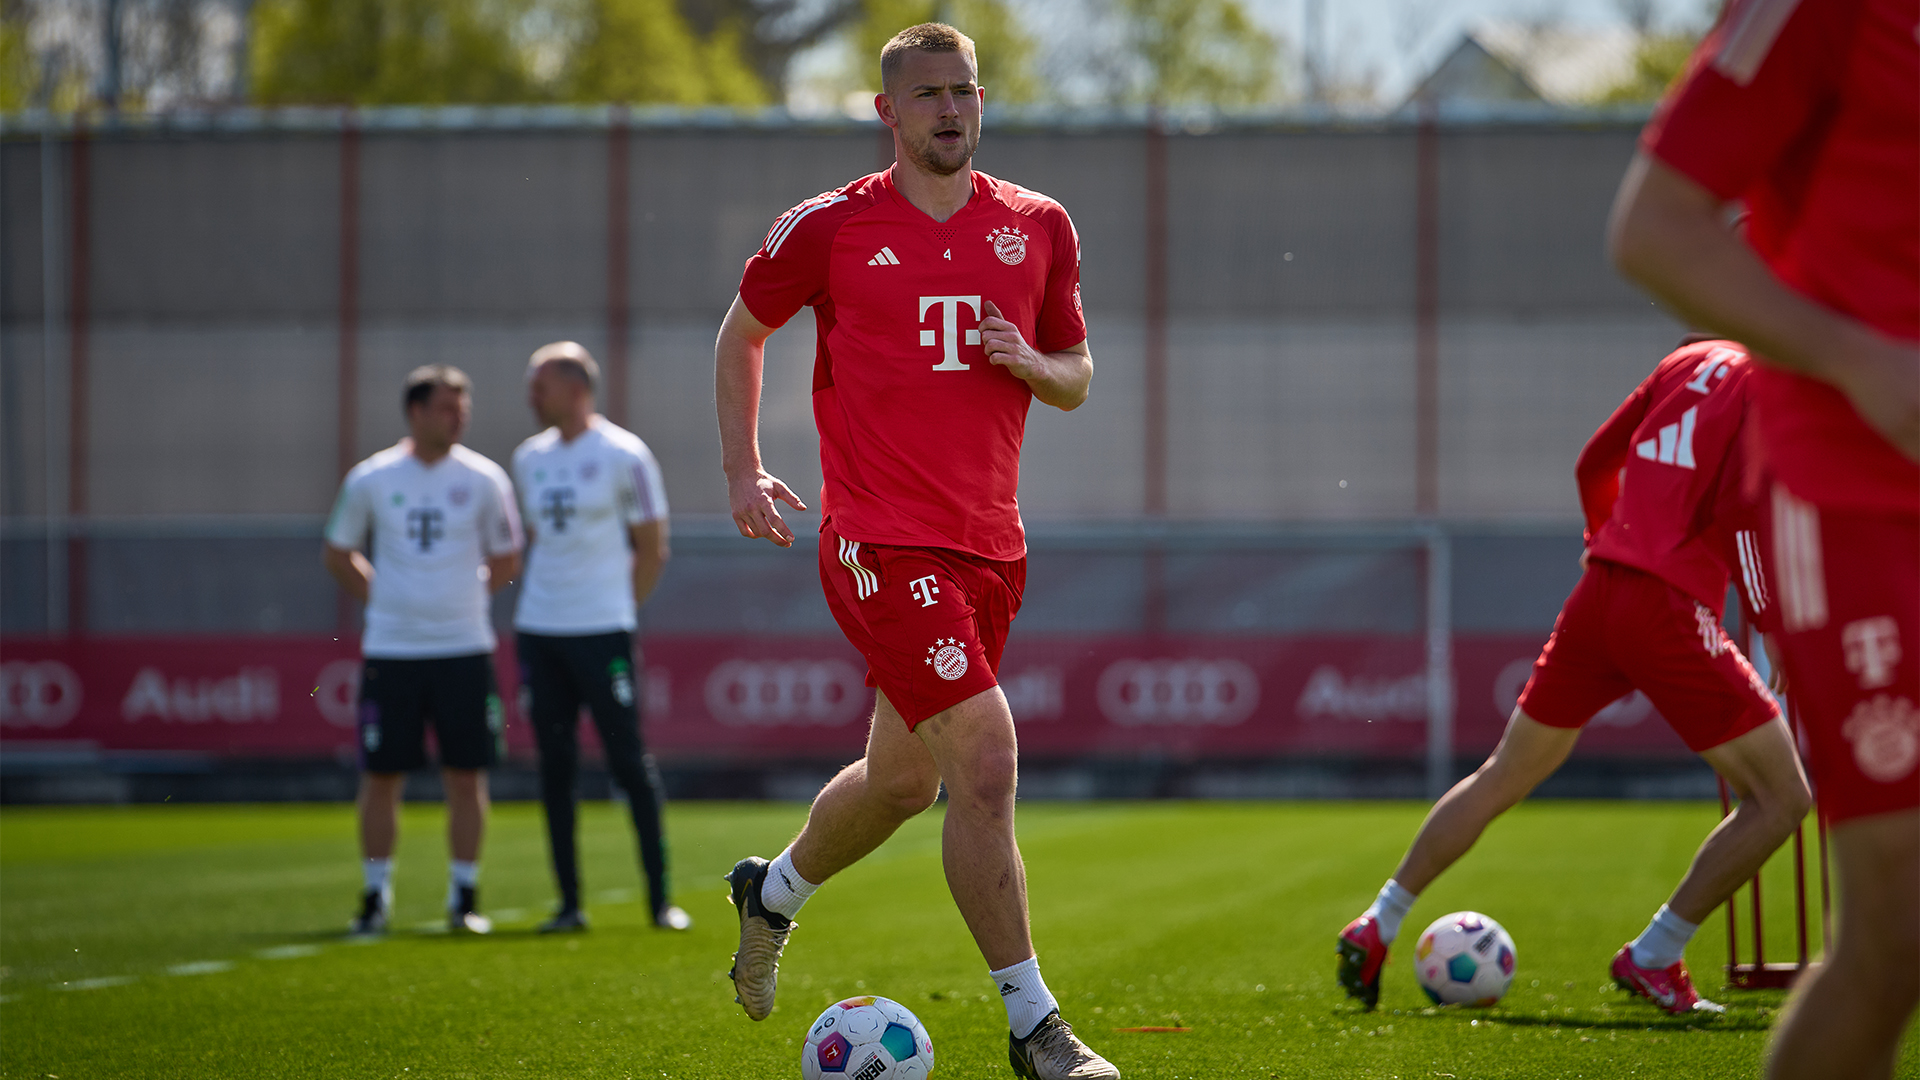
x=750 y=699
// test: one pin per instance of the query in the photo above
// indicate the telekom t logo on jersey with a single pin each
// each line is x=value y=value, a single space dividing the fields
x=949 y=333
x=923 y=589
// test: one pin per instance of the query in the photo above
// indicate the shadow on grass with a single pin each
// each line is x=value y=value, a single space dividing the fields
x=1740 y=1021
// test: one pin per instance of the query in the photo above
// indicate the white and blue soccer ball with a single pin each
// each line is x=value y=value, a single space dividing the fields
x=866 y=1038
x=1464 y=959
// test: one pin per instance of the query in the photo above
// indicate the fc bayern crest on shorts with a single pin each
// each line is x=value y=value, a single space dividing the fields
x=947 y=658
x=1010 y=244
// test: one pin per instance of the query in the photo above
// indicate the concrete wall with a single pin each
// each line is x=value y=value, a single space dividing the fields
x=214 y=279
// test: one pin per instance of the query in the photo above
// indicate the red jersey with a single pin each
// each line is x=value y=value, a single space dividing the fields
x=1810 y=113
x=1662 y=481
x=919 y=434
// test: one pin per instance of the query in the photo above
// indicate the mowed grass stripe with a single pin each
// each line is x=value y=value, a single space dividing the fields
x=1215 y=916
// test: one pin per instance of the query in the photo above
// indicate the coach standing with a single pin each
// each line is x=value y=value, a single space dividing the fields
x=445 y=535
x=598 y=517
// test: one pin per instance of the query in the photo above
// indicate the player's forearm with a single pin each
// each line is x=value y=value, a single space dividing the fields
x=350 y=569
x=1667 y=234
x=737 y=365
x=646 y=574
x=1065 y=379
x=501 y=570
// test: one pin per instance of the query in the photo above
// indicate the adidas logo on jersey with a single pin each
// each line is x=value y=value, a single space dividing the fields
x=885 y=258
x=1675 y=443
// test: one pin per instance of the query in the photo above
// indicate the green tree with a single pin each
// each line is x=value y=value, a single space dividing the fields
x=1658 y=61
x=643 y=51
x=1004 y=49
x=19 y=74
x=389 y=52
x=1198 y=52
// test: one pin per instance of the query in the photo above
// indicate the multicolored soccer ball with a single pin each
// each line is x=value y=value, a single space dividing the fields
x=1464 y=959
x=866 y=1038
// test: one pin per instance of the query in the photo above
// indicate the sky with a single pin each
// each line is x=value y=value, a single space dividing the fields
x=1399 y=40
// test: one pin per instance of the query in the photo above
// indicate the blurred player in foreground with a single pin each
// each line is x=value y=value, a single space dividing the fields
x=596 y=514
x=1809 y=113
x=1661 y=485
x=444 y=537
x=945 y=302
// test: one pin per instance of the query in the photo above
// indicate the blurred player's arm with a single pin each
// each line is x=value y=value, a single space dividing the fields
x=1668 y=233
x=650 y=554
x=350 y=568
x=1598 y=469
x=501 y=570
x=1060 y=379
x=752 y=493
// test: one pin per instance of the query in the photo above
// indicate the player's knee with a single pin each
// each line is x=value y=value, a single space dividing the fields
x=911 y=794
x=988 y=775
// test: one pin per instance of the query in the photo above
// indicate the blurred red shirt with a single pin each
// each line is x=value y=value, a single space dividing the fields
x=1809 y=111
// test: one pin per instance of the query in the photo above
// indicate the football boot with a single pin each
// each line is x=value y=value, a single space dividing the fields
x=1362 y=955
x=464 y=917
x=672 y=918
x=375 y=905
x=565 y=921
x=763 y=937
x=1670 y=988
x=1051 y=1051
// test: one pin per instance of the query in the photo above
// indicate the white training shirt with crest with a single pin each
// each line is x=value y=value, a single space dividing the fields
x=433 y=529
x=580 y=498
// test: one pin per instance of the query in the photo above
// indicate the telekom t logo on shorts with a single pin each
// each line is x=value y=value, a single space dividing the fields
x=1872 y=648
x=948 y=336
x=923 y=589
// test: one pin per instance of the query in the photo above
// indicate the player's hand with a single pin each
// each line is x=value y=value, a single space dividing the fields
x=1006 y=347
x=755 y=498
x=1883 y=383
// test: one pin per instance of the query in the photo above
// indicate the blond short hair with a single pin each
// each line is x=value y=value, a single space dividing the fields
x=926 y=37
x=571 y=358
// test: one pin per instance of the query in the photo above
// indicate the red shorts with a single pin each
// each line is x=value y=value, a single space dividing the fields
x=1624 y=630
x=932 y=622
x=1848 y=586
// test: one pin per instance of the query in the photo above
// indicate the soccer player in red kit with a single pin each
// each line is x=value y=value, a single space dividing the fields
x=1809 y=114
x=1661 y=486
x=945 y=301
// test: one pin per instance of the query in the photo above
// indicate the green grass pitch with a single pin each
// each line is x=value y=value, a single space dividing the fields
x=178 y=941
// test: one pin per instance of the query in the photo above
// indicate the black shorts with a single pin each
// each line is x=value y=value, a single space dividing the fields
x=457 y=695
x=559 y=674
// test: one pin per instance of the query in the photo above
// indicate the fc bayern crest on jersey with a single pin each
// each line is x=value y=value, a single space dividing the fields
x=947 y=658
x=459 y=494
x=1010 y=244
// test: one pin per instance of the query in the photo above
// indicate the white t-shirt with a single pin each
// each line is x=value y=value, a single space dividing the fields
x=433 y=527
x=580 y=498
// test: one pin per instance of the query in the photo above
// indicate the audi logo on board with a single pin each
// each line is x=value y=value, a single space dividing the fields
x=38 y=693
x=1136 y=693
x=765 y=693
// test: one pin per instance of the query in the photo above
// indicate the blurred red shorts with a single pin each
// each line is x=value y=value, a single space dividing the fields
x=1848 y=584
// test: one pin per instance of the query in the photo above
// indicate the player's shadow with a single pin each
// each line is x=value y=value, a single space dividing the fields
x=1740 y=1021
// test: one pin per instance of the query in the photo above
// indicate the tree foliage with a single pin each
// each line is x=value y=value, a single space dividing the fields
x=1196 y=52
x=644 y=51
x=1658 y=61
x=429 y=52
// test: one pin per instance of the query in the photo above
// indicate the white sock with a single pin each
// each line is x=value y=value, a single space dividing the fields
x=1389 y=908
x=461 y=875
x=1025 y=995
x=378 y=874
x=785 y=891
x=1664 y=941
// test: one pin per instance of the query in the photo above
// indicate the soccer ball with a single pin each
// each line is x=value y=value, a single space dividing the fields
x=866 y=1038
x=1464 y=959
